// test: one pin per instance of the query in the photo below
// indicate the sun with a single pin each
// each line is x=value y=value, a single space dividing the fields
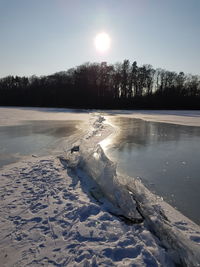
x=102 y=42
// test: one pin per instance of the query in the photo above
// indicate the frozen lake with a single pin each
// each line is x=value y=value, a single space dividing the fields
x=165 y=156
x=44 y=205
x=36 y=137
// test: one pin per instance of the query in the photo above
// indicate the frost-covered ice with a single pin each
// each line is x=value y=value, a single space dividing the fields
x=17 y=115
x=182 y=117
x=76 y=210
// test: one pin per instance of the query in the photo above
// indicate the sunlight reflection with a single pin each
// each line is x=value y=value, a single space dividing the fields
x=96 y=155
x=108 y=142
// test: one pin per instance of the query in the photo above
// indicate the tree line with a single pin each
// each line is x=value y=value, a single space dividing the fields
x=100 y=85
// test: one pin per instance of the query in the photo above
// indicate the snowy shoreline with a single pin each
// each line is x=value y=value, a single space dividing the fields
x=58 y=212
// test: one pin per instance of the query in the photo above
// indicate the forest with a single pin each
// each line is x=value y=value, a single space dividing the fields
x=104 y=86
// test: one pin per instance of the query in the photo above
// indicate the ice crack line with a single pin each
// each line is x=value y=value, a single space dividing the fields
x=133 y=199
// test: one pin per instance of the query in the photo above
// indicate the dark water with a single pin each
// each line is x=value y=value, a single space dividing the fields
x=35 y=137
x=165 y=156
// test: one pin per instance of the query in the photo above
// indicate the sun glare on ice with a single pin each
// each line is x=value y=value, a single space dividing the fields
x=102 y=42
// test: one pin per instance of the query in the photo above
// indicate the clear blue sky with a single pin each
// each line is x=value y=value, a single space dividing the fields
x=45 y=36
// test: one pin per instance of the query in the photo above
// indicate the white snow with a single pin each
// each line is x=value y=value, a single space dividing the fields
x=76 y=210
x=182 y=117
x=18 y=115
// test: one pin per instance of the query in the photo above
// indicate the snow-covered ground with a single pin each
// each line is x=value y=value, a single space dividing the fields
x=75 y=210
x=182 y=117
x=18 y=115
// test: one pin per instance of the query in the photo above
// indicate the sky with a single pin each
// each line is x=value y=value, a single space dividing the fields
x=41 y=37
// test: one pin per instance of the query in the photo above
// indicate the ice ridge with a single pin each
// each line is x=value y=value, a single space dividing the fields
x=129 y=195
